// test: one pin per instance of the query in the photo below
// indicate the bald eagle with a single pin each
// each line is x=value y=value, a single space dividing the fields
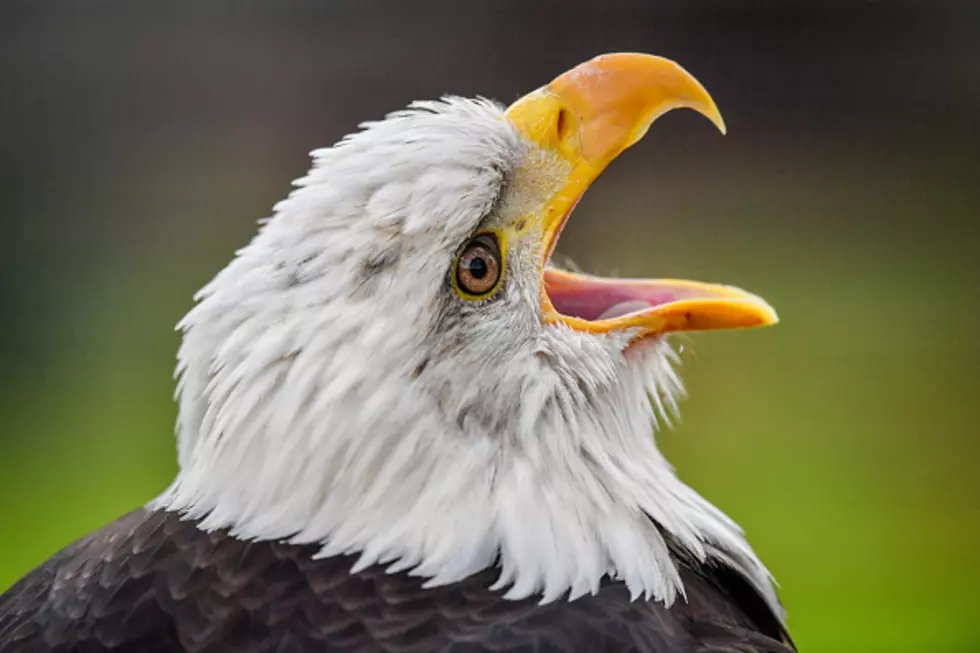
x=401 y=429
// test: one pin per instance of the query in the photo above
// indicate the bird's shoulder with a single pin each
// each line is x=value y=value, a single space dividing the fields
x=155 y=583
x=723 y=610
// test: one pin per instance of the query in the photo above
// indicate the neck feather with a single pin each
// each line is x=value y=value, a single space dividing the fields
x=576 y=493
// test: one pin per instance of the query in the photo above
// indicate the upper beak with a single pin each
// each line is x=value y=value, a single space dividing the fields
x=587 y=117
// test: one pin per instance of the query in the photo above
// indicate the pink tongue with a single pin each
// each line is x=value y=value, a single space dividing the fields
x=622 y=308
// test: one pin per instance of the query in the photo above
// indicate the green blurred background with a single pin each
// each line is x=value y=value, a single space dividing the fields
x=139 y=143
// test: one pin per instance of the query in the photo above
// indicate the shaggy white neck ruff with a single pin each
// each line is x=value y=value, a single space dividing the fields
x=558 y=506
x=316 y=405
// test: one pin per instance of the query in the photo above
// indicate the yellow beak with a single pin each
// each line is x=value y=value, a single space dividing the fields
x=587 y=117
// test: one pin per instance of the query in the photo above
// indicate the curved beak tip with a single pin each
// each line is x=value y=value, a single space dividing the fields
x=718 y=121
x=614 y=98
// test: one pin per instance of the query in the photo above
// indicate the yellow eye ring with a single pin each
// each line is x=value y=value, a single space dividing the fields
x=479 y=267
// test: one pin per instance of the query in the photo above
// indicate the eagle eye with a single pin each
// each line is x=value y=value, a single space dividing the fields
x=479 y=267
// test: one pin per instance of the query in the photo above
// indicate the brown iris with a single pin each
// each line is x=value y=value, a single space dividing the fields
x=478 y=267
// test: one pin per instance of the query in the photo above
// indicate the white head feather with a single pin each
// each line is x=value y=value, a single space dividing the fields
x=334 y=389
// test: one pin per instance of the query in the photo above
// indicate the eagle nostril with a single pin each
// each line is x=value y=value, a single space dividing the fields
x=563 y=124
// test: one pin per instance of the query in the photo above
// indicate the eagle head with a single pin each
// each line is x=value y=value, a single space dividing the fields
x=392 y=367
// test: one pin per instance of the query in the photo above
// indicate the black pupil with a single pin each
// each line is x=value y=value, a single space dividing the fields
x=478 y=267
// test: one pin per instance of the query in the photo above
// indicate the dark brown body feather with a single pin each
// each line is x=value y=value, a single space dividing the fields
x=152 y=583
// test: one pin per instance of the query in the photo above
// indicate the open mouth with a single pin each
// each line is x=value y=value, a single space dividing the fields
x=586 y=117
x=595 y=299
x=648 y=306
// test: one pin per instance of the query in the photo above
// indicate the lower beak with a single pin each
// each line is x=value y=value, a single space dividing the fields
x=586 y=117
x=650 y=306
